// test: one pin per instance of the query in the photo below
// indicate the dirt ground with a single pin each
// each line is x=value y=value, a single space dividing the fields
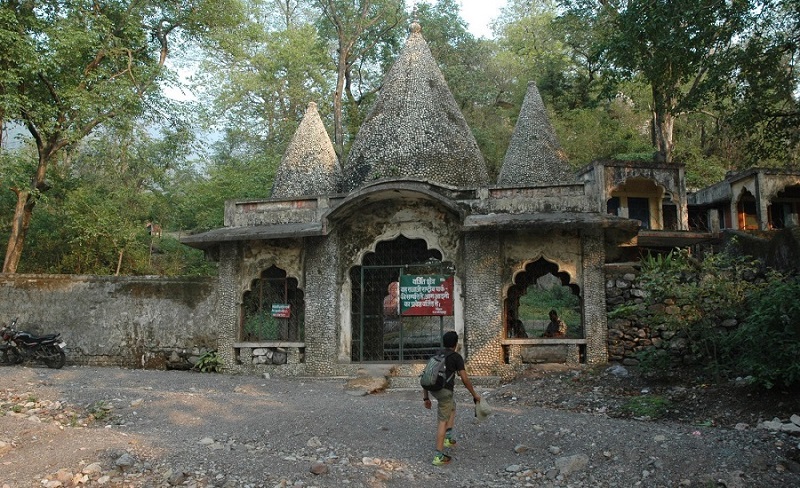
x=552 y=426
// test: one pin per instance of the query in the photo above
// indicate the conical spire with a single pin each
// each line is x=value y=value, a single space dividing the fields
x=415 y=129
x=309 y=166
x=534 y=156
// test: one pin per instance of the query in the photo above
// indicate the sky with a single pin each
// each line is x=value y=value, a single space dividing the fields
x=479 y=14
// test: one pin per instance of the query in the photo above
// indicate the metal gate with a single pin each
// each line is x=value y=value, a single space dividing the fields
x=379 y=333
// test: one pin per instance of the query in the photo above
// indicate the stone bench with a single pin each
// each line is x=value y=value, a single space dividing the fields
x=569 y=348
x=270 y=352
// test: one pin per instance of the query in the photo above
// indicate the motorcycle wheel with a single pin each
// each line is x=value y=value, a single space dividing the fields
x=54 y=357
x=12 y=356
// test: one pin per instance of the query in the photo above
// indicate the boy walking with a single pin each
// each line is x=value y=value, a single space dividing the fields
x=446 y=410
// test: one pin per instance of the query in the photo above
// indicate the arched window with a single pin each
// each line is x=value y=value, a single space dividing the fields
x=273 y=309
x=535 y=292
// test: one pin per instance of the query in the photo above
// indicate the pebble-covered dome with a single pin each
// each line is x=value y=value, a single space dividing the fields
x=309 y=166
x=534 y=156
x=415 y=129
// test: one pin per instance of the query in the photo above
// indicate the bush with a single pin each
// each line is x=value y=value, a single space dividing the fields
x=703 y=294
x=654 y=362
x=210 y=362
x=767 y=344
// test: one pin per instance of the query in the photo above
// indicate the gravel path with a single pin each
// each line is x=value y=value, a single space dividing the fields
x=83 y=426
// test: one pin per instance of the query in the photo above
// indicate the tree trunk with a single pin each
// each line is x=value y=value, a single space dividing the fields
x=119 y=262
x=341 y=71
x=26 y=200
x=663 y=123
x=19 y=229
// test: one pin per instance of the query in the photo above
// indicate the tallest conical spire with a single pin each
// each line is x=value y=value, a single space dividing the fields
x=415 y=129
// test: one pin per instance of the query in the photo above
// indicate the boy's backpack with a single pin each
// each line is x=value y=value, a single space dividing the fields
x=434 y=376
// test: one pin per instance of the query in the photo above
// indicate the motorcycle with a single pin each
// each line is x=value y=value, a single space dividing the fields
x=19 y=346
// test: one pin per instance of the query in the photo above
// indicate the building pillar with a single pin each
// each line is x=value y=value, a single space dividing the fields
x=229 y=303
x=594 y=297
x=762 y=203
x=714 y=225
x=683 y=207
x=483 y=312
x=322 y=305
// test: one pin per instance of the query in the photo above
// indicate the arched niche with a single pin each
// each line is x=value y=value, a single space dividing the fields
x=536 y=289
x=272 y=309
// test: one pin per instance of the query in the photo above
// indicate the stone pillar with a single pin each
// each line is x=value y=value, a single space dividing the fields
x=683 y=208
x=714 y=225
x=483 y=311
x=734 y=210
x=594 y=297
x=322 y=305
x=762 y=203
x=229 y=302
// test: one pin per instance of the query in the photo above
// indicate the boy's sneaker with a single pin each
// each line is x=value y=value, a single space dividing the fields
x=448 y=442
x=440 y=459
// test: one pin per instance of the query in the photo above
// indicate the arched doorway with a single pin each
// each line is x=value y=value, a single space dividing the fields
x=540 y=288
x=747 y=211
x=380 y=332
x=641 y=199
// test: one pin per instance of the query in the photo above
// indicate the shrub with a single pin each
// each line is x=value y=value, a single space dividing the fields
x=210 y=362
x=703 y=294
x=654 y=362
x=767 y=344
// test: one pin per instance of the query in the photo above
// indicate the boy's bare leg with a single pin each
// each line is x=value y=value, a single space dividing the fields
x=441 y=430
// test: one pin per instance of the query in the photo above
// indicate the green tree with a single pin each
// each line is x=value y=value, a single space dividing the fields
x=677 y=47
x=74 y=66
x=763 y=98
x=593 y=117
x=365 y=35
x=533 y=48
x=259 y=86
x=93 y=219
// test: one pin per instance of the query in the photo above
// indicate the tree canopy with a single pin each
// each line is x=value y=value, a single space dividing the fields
x=710 y=83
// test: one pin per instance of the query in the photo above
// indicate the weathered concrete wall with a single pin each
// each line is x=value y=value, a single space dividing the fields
x=151 y=322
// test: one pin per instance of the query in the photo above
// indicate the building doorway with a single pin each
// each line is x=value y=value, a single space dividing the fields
x=379 y=331
x=747 y=211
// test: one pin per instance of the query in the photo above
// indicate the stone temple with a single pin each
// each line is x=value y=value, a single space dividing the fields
x=369 y=262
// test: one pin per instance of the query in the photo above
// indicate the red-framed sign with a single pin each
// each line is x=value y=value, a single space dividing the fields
x=426 y=295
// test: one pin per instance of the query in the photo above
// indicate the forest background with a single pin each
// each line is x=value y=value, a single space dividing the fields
x=93 y=148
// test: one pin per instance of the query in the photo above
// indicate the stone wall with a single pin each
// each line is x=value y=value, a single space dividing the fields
x=157 y=322
x=150 y=322
x=630 y=335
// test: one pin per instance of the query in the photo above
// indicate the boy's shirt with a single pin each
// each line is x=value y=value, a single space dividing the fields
x=453 y=364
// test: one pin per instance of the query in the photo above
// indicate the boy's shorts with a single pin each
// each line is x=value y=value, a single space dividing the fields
x=446 y=404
